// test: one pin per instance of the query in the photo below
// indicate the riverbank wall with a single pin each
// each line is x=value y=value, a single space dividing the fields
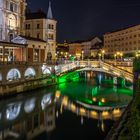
x=26 y=85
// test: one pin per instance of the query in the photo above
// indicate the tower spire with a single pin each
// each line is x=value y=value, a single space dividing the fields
x=49 y=14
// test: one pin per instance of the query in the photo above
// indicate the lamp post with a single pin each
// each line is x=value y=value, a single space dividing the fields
x=138 y=54
x=103 y=54
x=115 y=55
x=121 y=55
x=99 y=56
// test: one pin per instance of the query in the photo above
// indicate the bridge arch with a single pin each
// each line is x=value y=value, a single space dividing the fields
x=29 y=72
x=13 y=74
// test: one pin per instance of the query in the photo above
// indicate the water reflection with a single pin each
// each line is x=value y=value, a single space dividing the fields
x=89 y=102
x=46 y=100
x=13 y=110
x=29 y=105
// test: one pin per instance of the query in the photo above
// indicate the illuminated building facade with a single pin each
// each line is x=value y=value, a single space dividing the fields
x=12 y=13
x=75 y=49
x=42 y=26
x=83 y=48
x=125 y=41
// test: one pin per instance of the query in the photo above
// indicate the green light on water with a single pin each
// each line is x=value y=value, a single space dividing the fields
x=100 y=103
x=71 y=76
x=94 y=91
x=123 y=82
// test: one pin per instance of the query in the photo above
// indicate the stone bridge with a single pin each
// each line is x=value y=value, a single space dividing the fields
x=21 y=71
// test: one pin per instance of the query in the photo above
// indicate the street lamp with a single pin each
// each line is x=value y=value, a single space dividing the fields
x=99 y=56
x=117 y=54
x=137 y=54
x=103 y=54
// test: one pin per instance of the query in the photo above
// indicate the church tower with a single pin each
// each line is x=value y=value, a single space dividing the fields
x=51 y=34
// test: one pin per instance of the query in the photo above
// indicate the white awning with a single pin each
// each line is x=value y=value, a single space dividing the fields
x=19 y=40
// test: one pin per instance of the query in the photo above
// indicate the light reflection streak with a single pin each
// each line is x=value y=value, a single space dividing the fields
x=13 y=110
x=29 y=105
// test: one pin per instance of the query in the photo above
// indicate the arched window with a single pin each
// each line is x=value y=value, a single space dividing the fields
x=12 y=22
x=29 y=73
x=13 y=74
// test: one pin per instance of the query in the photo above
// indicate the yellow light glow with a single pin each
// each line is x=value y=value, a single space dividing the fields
x=103 y=51
x=116 y=111
x=82 y=111
x=57 y=94
x=103 y=100
x=121 y=54
x=105 y=68
x=73 y=107
x=94 y=99
x=94 y=113
x=116 y=73
x=65 y=101
x=105 y=113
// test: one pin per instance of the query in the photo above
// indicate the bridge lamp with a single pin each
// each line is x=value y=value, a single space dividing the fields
x=99 y=56
x=94 y=99
x=138 y=54
x=103 y=100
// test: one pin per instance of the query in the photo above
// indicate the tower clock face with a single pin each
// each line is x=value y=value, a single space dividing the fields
x=12 y=21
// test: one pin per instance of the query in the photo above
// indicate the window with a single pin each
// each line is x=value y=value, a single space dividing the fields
x=27 y=26
x=50 y=36
x=135 y=35
x=7 y=4
x=50 y=26
x=38 y=26
x=11 y=7
x=28 y=35
x=36 y=55
x=38 y=35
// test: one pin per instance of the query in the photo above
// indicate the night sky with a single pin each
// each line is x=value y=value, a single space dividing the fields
x=82 y=19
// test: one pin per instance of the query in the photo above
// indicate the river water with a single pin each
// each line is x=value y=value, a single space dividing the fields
x=84 y=106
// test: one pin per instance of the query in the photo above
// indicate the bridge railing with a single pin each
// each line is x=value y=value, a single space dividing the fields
x=119 y=63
